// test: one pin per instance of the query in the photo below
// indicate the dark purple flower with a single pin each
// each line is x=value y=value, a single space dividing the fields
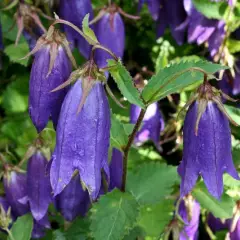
x=189 y=210
x=73 y=200
x=32 y=36
x=15 y=186
x=153 y=6
x=74 y=11
x=110 y=33
x=38 y=186
x=116 y=169
x=217 y=224
x=153 y=124
x=39 y=227
x=171 y=13
x=82 y=138
x=42 y=102
x=206 y=148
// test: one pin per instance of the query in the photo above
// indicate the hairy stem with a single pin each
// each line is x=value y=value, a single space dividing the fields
x=127 y=148
x=9 y=234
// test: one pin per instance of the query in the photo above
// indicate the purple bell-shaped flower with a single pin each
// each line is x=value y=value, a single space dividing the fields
x=83 y=134
x=206 y=143
x=110 y=33
x=15 y=186
x=189 y=210
x=74 y=11
x=153 y=124
x=217 y=224
x=73 y=200
x=51 y=67
x=38 y=186
x=39 y=227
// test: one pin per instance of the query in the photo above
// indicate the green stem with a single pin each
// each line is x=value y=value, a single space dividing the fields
x=127 y=148
x=9 y=234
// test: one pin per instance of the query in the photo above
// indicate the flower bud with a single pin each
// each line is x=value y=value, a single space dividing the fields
x=206 y=144
x=82 y=139
x=153 y=124
x=39 y=187
x=51 y=67
x=16 y=189
x=116 y=169
x=74 y=11
x=73 y=200
x=110 y=33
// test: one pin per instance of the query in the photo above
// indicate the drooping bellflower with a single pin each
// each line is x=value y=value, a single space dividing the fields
x=206 y=143
x=189 y=210
x=171 y=14
x=110 y=33
x=153 y=124
x=51 y=67
x=38 y=186
x=74 y=11
x=15 y=187
x=203 y=30
x=82 y=139
x=73 y=200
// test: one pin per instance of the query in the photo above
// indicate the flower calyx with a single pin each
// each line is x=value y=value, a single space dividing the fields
x=54 y=39
x=5 y=217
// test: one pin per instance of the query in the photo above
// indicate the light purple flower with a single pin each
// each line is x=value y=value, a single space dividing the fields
x=42 y=102
x=110 y=33
x=73 y=200
x=209 y=152
x=15 y=187
x=82 y=139
x=74 y=11
x=38 y=186
x=190 y=215
x=235 y=235
x=116 y=169
x=153 y=124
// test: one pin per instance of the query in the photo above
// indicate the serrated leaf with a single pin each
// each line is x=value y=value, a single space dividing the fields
x=22 y=228
x=118 y=135
x=125 y=83
x=219 y=208
x=175 y=77
x=92 y=39
x=211 y=9
x=114 y=216
x=16 y=52
x=154 y=218
x=152 y=182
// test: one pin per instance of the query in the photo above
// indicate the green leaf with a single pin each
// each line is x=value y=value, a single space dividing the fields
x=22 y=228
x=234 y=113
x=152 y=182
x=114 y=216
x=16 y=52
x=219 y=208
x=175 y=77
x=125 y=83
x=233 y=45
x=15 y=97
x=154 y=218
x=211 y=9
x=58 y=235
x=92 y=39
x=118 y=135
